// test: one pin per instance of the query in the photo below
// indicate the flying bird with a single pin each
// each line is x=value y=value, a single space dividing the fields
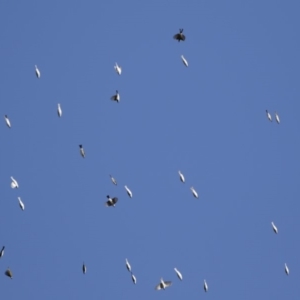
x=14 y=184
x=205 y=286
x=59 y=111
x=8 y=273
x=128 y=266
x=179 y=36
x=118 y=69
x=111 y=201
x=195 y=194
x=21 y=204
x=7 y=121
x=178 y=274
x=129 y=193
x=181 y=177
x=277 y=118
x=133 y=278
x=82 y=151
x=184 y=61
x=37 y=72
x=113 y=180
x=286 y=269
x=116 y=97
x=274 y=227
x=163 y=284
x=83 y=268
x=269 y=116
x=2 y=251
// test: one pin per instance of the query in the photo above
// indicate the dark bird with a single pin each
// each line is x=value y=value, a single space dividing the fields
x=82 y=151
x=2 y=251
x=116 y=97
x=179 y=36
x=111 y=201
x=83 y=268
x=8 y=273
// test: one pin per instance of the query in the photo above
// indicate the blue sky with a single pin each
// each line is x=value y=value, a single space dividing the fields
x=207 y=120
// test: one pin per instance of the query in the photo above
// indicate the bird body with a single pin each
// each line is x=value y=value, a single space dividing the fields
x=8 y=273
x=195 y=194
x=163 y=284
x=59 y=110
x=82 y=152
x=269 y=116
x=181 y=177
x=184 y=61
x=116 y=97
x=274 y=228
x=14 y=184
x=129 y=193
x=178 y=274
x=118 y=69
x=111 y=201
x=7 y=121
x=21 y=204
x=179 y=36
x=37 y=72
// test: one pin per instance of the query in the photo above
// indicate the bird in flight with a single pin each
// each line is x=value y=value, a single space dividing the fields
x=2 y=251
x=113 y=180
x=179 y=36
x=178 y=274
x=8 y=273
x=21 y=204
x=274 y=227
x=185 y=62
x=116 y=97
x=129 y=193
x=14 y=184
x=118 y=69
x=7 y=121
x=269 y=115
x=37 y=72
x=163 y=284
x=83 y=268
x=195 y=194
x=81 y=151
x=59 y=111
x=111 y=201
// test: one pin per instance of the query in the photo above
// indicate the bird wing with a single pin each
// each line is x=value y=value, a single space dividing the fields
x=168 y=283
x=176 y=36
x=183 y=37
x=113 y=97
x=158 y=287
x=115 y=200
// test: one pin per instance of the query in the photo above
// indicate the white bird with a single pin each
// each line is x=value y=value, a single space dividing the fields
x=195 y=194
x=129 y=193
x=274 y=227
x=133 y=278
x=14 y=184
x=205 y=286
x=59 y=111
x=82 y=151
x=128 y=266
x=21 y=203
x=163 y=284
x=7 y=121
x=83 y=268
x=114 y=181
x=286 y=269
x=2 y=251
x=178 y=274
x=184 y=61
x=277 y=118
x=269 y=116
x=182 y=179
x=118 y=69
x=116 y=97
x=37 y=72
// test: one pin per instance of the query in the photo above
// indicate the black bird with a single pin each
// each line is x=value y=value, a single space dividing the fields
x=179 y=36
x=8 y=273
x=111 y=201
x=83 y=268
x=2 y=251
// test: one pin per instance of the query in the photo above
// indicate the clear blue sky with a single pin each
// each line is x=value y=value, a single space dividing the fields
x=207 y=120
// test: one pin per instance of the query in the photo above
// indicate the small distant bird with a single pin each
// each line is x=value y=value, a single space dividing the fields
x=179 y=36
x=274 y=227
x=118 y=69
x=21 y=204
x=277 y=118
x=59 y=111
x=269 y=116
x=133 y=278
x=178 y=274
x=286 y=269
x=37 y=72
x=8 y=273
x=111 y=201
x=7 y=121
x=129 y=193
x=184 y=61
x=163 y=284
x=83 y=268
x=205 y=286
x=14 y=184
x=181 y=177
x=2 y=251
x=113 y=180
x=128 y=266
x=116 y=97
x=195 y=194
x=82 y=151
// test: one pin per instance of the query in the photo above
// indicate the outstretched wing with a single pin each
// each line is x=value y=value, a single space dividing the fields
x=115 y=200
x=158 y=287
x=168 y=283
